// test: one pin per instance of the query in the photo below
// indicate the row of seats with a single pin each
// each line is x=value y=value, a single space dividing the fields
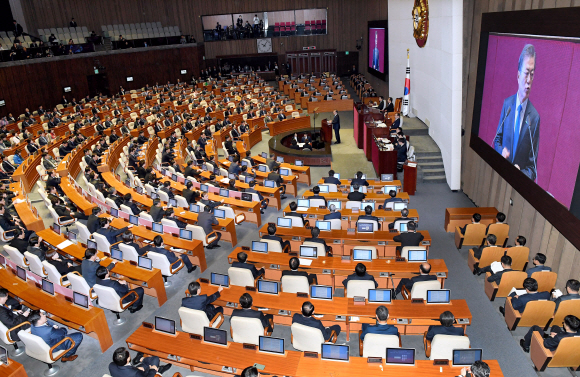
x=77 y=34
x=7 y=40
x=140 y=31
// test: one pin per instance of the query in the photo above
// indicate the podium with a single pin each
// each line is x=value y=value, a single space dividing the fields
x=410 y=179
x=326 y=131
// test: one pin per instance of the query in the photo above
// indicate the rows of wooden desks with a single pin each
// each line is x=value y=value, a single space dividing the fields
x=373 y=183
x=289 y=124
x=196 y=355
x=455 y=217
x=374 y=196
x=302 y=173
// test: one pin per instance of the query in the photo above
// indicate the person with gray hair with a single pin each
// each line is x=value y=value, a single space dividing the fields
x=477 y=369
x=334 y=214
x=518 y=134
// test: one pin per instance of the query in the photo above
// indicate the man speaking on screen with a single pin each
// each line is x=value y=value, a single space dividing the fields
x=518 y=134
x=376 y=53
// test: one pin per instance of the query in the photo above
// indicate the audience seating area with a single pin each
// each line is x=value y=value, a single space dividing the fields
x=139 y=31
x=77 y=34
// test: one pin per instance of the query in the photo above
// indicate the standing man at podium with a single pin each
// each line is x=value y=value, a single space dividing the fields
x=336 y=126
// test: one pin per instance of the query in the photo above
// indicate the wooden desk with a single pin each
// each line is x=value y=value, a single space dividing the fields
x=329 y=106
x=370 y=132
x=302 y=172
x=252 y=137
x=77 y=198
x=289 y=124
x=384 y=162
x=373 y=183
x=461 y=216
x=378 y=196
x=28 y=215
x=92 y=322
x=13 y=369
x=410 y=173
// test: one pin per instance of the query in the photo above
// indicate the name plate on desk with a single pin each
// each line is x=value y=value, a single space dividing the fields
x=203 y=280
x=374 y=360
x=147 y=325
x=246 y=248
x=400 y=259
x=393 y=231
x=440 y=362
x=417 y=301
x=195 y=336
x=382 y=243
x=359 y=300
x=293 y=254
x=250 y=289
x=313 y=355
x=247 y=346
x=301 y=294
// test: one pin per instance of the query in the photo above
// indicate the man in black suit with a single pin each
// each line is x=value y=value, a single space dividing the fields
x=572 y=288
x=382 y=106
x=551 y=342
x=285 y=245
x=315 y=232
x=167 y=189
x=390 y=106
x=89 y=266
x=475 y=219
x=294 y=263
x=157 y=212
x=336 y=126
x=8 y=317
x=187 y=192
x=404 y=216
x=241 y=263
x=490 y=241
x=447 y=320
x=401 y=149
x=424 y=269
x=316 y=192
x=355 y=195
x=359 y=180
x=110 y=234
x=247 y=312
x=275 y=176
x=393 y=198
x=331 y=178
x=201 y=302
x=334 y=214
x=409 y=238
x=506 y=263
x=93 y=221
x=519 y=302
x=128 y=201
x=159 y=247
x=206 y=220
x=360 y=273
x=305 y=318
x=123 y=366
x=369 y=216
x=120 y=286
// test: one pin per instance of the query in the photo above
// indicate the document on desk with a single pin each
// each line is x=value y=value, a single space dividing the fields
x=305 y=262
x=518 y=292
x=64 y=244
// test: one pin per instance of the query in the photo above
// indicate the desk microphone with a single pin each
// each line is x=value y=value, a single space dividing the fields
x=393 y=295
x=509 y=110
x=532 y=146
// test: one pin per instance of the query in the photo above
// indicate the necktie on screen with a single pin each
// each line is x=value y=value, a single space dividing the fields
x=516 y=129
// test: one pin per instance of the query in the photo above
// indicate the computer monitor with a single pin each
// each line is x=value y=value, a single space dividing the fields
x=280 y=160
x=337 y=204
x=194 y=207
x=174 y=177
x=80 y=300
x=245 y=163
x=185 y=234
x=284 y=222
x=266 y=286
x=324 y=189
x=323 y=292
x=303 y=203
x=362 y=254
x=134 y=220
x=246 y=196
x=48 y=287
x=154 y=195
x=114 y=212
x=387 y=189
x=128 y=182
x=417 y=255
x=323 y=225
x=157 y=227
x=386 y=177
x=400 y=356
x=248 y=179
x=308 y=252
x=466 y=357
x=231 y=158
x=165 y=325
x=299 y=163
x=271 y=345
x=56 y=228
x=219 y=213
x=269 y=184
x=2 y=260
x=232 y=176
x=172 y=202
x=72 y=236
x=335 y=352
x=116 y=254
x=399 y=206
x=264 y=155
x=220 y=279
x=203 y=188
x=204 y=167
x=439 y=296
x=262 y=168
x=224 y=192
x=91 y=244
x=145 y=263
x=139 y=189
x=401 y=226
x=21 y=273
x=284 y=172
x=259 y=247
x=364 y=227
x=364 y=205
x=215 y=336
x=337 y=175
x=380 y=296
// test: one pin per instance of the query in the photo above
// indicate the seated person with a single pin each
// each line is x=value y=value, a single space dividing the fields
x=171 y=216
x=404 y=216
x=306 y=319
x=293 y=206
x=539 y=261
x=401 y=148
x=294 y=263
x=359 y=180
x=360 y=273
x=206 y=219
x=89 y=266
x=210 y=203
x=500 y=219
x=477 y=369
x=355 y=195
x=201 y=302
x=409 y=238
x=393 y=198
x=129 y=240
x=475 y=219
x=52 y=334
x=272 y=236
x=572 y=288
x=369 y=216
x=316 y=192
x=331 y=178
x=247 y=311
x=128 y=201
x=382 y=327
x=519 y=302
x=167 y=189
x=110 y=234
x=506 y=263
x=120 y=286
x=447 y=320
x=241 y=263
x=36 y=247
x=334 y=214
x=551 y=342
x=159 y=247
x=11 y=318
x=490 y=241
x=123 y=366
x=424 y=269
x=315 y=232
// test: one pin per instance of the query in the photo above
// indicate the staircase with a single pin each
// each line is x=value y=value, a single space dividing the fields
x=431 y=168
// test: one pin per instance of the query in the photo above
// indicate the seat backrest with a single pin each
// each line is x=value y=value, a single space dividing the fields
x=16 y=256
x=405 y=250
x=102 y=243
x=537 y=313
x=108 y=298
x=317 y=203
x=35 y=264
x=296 y=221
x=126 y=209
x=193 y=321
x=420 y=288
x=78 y=284
x=565 y=308
x=53 y=274
x=509 y=280
x=197 y=233
x=490 y=255
x=246 y=330
x=111 y=202
x=474 y=234
x=359 y=288
x=519 y=255
x=332 y=187
x=305 y=338
x=546 y=280
x=273 y=246
x=4 y=334
x=566 y=355
x=36 y=347
x=501 y=231
x=84 y=233
x=320 y=251
x=160 y=262
x=146 y=216
x=374 y=345
x=129 y=252
x=241 y=277
x=442 y=346
x=295 y=284
x=352 y=204
x=335 y=224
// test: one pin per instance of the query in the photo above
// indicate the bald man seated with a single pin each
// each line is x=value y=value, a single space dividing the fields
x=425 y=269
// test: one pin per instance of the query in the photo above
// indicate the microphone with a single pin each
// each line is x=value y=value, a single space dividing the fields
x=509 y=110
x=393 y=295
x=532 y=146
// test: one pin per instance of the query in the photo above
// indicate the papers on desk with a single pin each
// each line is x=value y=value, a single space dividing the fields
x=64 y=244
x=381 y=124
x=354 y=319
x=16 y=201
x=305 y=262
x=496 y=267
x=518 y=292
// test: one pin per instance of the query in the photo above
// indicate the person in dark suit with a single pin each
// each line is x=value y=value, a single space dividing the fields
x=369 y=216
x=241 y=263
x=382 y=106
x=447 y=319
x=518 y=133
x=424 y=269
x=390 y=106
x=275 y=176
x=539 y=261
x=393 y=198
x=110 y=234
x=360 y=273
x=499 y=219
x=401 y=149
x=294 y=263
x=490 y=241
x=35 y=247
x=129 y=240
x=159 y=247
x=382 y=327
x=89 y=266
x=572 y=288
x=331 y=178
x=305 y=318
x=157 y=212
x=285 y=245
x=201 y=302
x=123 y=366
x=336 y=126
x=519 y=302
x=128 y=201
x=316 y=192
x=52 y=334
x=475 y=219
x=334 y=214
x=167 y=189
x=206 y=220
x=359 y=180
x=404 y=216
x=355 y=195
x=506 y=263
x=551 y=342
x=315 y=232
x=93 y=220
x=409 y=238
x=10 y=318
x=247 y=312
x=120 y=286
x=188 y=193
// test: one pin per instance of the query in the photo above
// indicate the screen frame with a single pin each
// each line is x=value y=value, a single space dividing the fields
x=166 y=319
x=212 y=329
x=274 y=352
x=464 y=349
x=335 y=345
x=402 y=364
x=380 y=24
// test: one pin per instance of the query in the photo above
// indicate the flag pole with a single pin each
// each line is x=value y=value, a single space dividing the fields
x=407 y=90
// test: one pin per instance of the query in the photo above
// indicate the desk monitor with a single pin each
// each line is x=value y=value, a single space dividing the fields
x=303 y=203
x=224 y=192
x=48 y=287
x=308 y=252
x=220 y=279
x=157 y=227
x=380 y=296
x=284 y=222
x=323 y=225
x=399 y=206
x=337 y=204
x=417 y=255
x=3 y=354
x=185 y=234
x=280 y=159
x=387 y=189
x=116 y=254
x=165 y=325
x=337 y=175
x=174 y=177
x=364 y=255
x=172 y=202
x=364 y=205
x=271 y=345
x=145 y=263
x=21 y=273
x=91 y=244
x=204 y=167
x=269 y=184
x=139 y=189
x=114 y=212
x=262 y=168
x=335 y=352
x=299 y=163
x=154 y=195
x=203 y=188
x=232 y=176
x=266 y=286
x=400 y=356
x=401 y=225
x=219 y=213
x=80 y=300
x=465 y=357
x=264 y=155
x=2 y=260
x=72 y=236
x=323 y=189
x=246 y=196
x=128 y=182
x=364 y=227
x=323 y=292
x=284 y=172
x=244 y=163
x=134 y=220
x=249 y=179
x=215 y=336
x=194 y=207
x=56 y=228
x=259 y=247
x=439 y=296
x=231 y=158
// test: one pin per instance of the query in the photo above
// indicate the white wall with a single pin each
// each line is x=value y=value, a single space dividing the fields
x=436 y=74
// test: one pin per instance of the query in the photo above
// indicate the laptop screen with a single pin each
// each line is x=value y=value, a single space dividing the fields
x=280 y=159
x=400 y=356
x=116 y=254
x=246 y=196
x=337 y=175
x=224 y=192
x=308 y=252
x=47 y=286
x=259 y=247
x=380 y=295
x=399 y=206
x=21 y=273
x=337 y=204
x=264 y=155
x=274 y=345
x=139 y=189
x=173 y=202
x=56 y=228
x=323 y=189
x=133 y=220
x=364 y=227
x=388 y=189
x=215 y=336
x=157 y=227
x=284 y=172
x=185 y=234
x=194 y=208
x=219 y=213
x=80 y=300
x=220 y=279
x=145 y=263
x=335 y=352
x=323 y=225
x=72 y=236
x=114 y=212
x=262 y=168
x=299 y=163
x=467 y=356
x=174 y=177
x=362 y=254
x=265 y=286
x=417 y=255
x=321 y=292
x=304 y=203
x=269 y=184
x=284 y=222
x=154 y=195
x=439 y=296
x=165 y=325
x=91 y=244
x=364 y=205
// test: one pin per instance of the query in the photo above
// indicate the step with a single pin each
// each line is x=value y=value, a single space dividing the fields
x=432 y=172
x=431 y=165
x=416 y=131
x=423 y=160
x=427 y=154
x=434 y=179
